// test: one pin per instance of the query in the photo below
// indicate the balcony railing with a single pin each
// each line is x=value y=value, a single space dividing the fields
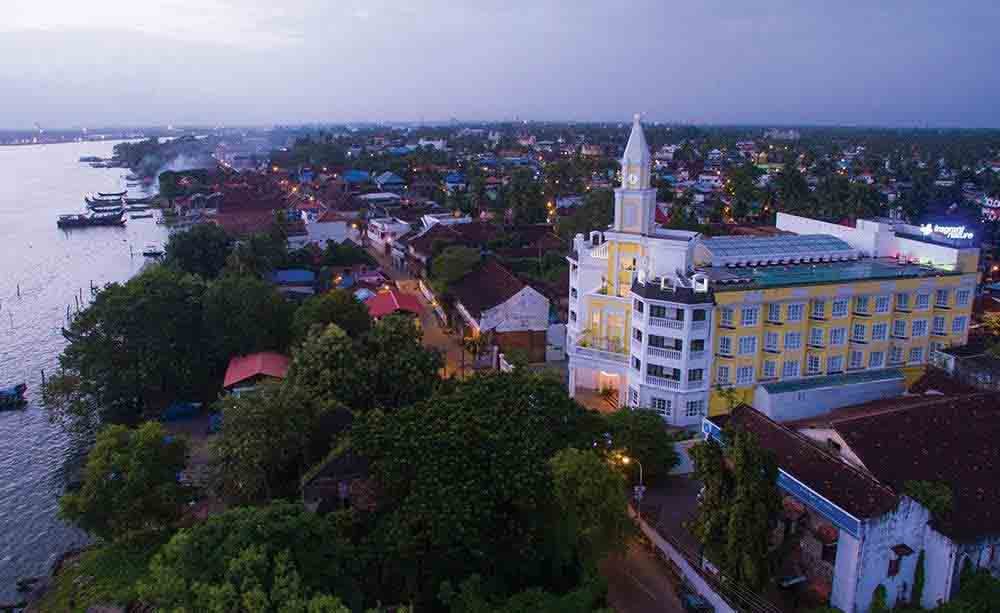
x=660 y=322
x=699 y=325
x=697 y=355
x=600 y=354
x=663 y=382
x=660 y=352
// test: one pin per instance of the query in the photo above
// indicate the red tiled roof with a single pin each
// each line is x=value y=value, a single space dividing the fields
x=267 y=363
x=486 y=287
x=387 y=303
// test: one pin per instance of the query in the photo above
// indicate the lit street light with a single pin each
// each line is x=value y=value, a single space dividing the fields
x=639 y=489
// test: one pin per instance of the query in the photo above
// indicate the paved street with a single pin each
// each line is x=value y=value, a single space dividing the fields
x=435 y=334
x=638 y=582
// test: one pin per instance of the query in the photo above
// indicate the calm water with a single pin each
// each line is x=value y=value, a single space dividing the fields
x=51 y=266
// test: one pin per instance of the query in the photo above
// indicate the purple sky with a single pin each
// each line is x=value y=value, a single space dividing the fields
x=901 y=63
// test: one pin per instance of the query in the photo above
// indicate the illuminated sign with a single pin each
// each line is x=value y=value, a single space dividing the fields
x=953 y=232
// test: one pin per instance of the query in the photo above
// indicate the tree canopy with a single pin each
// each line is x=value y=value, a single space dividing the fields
x=451 y=265
x=243 y=315
x=337 y=306
x=200 y=250
x=640 y=434
x=130 y=483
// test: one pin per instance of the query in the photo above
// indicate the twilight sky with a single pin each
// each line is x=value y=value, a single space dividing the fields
x=894 y=62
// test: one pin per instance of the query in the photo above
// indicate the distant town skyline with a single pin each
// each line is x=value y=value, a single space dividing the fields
x=208 y=62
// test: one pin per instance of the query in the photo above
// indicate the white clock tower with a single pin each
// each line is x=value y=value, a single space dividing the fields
x=635 y=200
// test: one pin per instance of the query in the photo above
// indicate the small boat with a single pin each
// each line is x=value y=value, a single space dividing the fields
x=140 y=215
x=91 y=219
x=144 y=200
x=152 y=251
x=13 y=396
x=113 y=194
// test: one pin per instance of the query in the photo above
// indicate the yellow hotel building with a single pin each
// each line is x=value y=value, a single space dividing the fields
x=689 y=326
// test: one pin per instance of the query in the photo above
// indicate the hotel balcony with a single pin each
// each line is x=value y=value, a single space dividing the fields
x=661 y=352
x=673 y=384
x=660 y=322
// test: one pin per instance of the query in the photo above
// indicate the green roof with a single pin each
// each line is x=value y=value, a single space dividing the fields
x=862 y=376
x=734 y=279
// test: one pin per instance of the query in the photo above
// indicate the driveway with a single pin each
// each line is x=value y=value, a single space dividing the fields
x=457 y=362
x=638 y=582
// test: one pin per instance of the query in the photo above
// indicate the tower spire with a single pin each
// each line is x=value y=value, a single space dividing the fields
x=636 y=151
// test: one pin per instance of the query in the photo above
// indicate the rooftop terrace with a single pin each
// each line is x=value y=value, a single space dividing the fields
x=763 y=277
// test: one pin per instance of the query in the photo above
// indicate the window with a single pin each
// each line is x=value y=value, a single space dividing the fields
x=748 y=345
x=896 y=355
x=662 y=371
x=698 y=315
x=920 y=328
x=637 y=334
x=835 y=364
x=840 y=307
x=857 y=360
x=916 y=355
x=790 y=369
x=770 y=369
x=939 y=325
x=726 y=345
x=696 y=374
x=698 y=344
x=958 y=325
x=722 y=375
x=876 y=359
x=899 y=328
x=633 y=397
x=793 y=340
x=879 y=332
x=819 y=309
x=679 y=314
x=894 y=567
x=962 y=297
x=861 y=304
x=636 y=364
x=661 y=406
x=902 y=301
x=774 y=312
x=941 y=298
x=750 y=315
x=744 y=375
x=771 y=341
x=657 y=341
x=837 y=336
x=858 y=333
x=694 y=408
x=816 y=337
x=726 y=317
x=572 y=315
x=923 y=301
x=881 y=304
x=638 y=305
x=795 y=312
x=812 y=365
x=657 y=311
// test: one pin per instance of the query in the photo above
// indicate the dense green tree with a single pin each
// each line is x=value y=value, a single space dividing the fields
x=337 y=306
x=277 y=558
x=325 y=370
x=740 y=502
x=451 y=265
x=595 y=213
x=138 y=343
x=260 y=253
x=640 y=434
x=264 y=443
x=470 y=598
x=130 y=483
x=591 y=496
x=243 y=314
x=395 y=368
x=741 y=187
x=879 y=600
x=792 y=190
x=201 y=250
x=466 y=486
x=525 y=198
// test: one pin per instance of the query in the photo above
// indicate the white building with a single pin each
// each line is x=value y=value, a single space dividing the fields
x=381 y=232
x=333 y=226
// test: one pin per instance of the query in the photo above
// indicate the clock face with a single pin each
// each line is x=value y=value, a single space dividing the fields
x=633 y=179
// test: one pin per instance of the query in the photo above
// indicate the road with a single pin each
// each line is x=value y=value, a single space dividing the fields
x=639 y=583
x=457 y=362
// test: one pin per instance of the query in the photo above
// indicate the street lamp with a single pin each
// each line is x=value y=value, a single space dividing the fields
x=639 y=489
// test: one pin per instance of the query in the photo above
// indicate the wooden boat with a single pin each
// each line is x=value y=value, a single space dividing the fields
x=152 y=251
x=91 y=219
x=140 y=215
x=11 y=397
x=145 y=200
x=113 y=194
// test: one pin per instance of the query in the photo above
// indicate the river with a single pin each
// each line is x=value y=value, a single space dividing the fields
x=51 y=267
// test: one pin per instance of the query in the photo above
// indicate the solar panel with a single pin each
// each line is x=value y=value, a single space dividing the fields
x=775 y=246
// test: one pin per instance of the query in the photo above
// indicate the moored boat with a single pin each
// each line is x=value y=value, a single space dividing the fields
x=152 y=251
x=13 y=396
x=144 y=200
x=91 y=219
x=113 y=194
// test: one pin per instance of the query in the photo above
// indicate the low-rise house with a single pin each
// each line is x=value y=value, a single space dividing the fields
x=492 y=300
x=454 y=182
x=333 y=226
x=854 y=515
x=383 y=231
x=390 y=182
x=246 y=372
x=393 y=302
